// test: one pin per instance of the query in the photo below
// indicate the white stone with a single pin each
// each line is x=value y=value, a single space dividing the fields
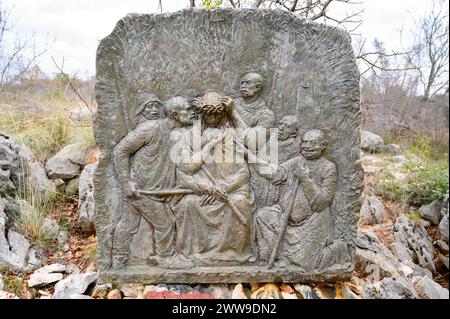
x=429 y=288
x=86 y=207
x=51 y=269
x=74 y=284
x=40 y=279
x=371 y=142
x=431 y=212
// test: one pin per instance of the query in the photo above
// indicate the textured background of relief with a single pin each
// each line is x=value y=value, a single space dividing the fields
x=309 y=70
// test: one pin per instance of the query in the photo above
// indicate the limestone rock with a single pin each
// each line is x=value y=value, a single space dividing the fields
x=412 y=242
x=443 y=228
x=51 y=226
x=62 y=237
x=372 y=211
x=444 y=260
x=52 y=268
x=42 y=278
x=71 y=187
x=390 y=288
x=74 y=284
x=374 y=258
x=393 y=148
x=425 y=223
x=442 y=245
x=39 y=178
x=66 y=164
x=430 y=289
x=14 y=250
x=86 y=206
x=417 y=271
x=72 y=269
x=431 y=212
x=20 y=168
x=399 y=158
x=371 y=142
x=1 y=282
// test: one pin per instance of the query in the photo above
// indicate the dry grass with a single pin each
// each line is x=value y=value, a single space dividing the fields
x=28 y=211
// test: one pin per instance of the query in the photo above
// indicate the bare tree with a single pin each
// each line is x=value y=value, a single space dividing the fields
x=314 y=10
x=324 y=11
x=17 y=55
x=430 y=50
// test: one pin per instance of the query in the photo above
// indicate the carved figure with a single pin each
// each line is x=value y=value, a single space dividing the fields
x=288 y=147
x=215 y=224
x=310 y=181
x=251 y=110
x=142 y=161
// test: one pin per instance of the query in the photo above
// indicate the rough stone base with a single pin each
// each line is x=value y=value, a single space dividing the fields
x=241 y=274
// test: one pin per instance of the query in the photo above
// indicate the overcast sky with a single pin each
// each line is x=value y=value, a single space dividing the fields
x=76 y=26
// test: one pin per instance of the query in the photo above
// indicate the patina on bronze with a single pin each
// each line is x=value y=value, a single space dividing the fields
x=177 y=93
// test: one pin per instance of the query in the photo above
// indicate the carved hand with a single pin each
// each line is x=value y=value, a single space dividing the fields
x=228 y=104
x=207 y=199
x=196 y=103
x=280 y=176
x=219 y=193
x=301 y=171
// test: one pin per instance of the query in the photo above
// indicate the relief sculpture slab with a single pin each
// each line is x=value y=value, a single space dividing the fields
x=229 y=149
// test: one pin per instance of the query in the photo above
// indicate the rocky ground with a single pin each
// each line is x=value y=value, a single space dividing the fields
x=397 y=255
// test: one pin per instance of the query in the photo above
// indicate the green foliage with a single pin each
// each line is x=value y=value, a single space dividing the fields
x=102 y=293
x=12 y=285
x=422 y=183
x=211 y=4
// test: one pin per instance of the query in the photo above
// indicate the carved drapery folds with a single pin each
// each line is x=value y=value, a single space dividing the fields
x=177 y=94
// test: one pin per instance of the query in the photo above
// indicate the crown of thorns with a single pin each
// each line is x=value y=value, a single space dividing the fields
x=209 y=103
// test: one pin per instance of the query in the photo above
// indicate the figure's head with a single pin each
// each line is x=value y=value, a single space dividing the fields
x=287 y=127
x=149 y=106
x=180 y=110
x=212 y=110
x=313 y=144
x=250 y=85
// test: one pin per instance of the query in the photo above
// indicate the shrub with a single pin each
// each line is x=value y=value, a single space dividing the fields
x=13 y=285
x=422 y=184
